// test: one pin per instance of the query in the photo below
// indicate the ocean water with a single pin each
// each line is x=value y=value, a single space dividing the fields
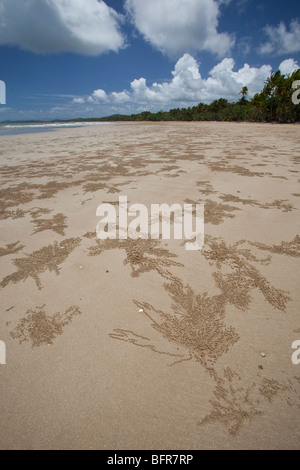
x=15 y=128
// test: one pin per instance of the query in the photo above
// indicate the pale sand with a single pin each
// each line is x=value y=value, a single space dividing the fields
x=85 y=368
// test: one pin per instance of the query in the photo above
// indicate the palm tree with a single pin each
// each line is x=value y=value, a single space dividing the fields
x=281 y=91
x=243 y=100
x=258 y=102
x=244 y=92
x=269 y=91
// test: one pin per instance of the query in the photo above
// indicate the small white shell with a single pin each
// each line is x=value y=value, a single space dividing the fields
x=141 y=310
x=263 y=354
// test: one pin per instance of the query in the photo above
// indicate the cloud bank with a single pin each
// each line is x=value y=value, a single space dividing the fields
x=85 y=27
x=178 y=26
x=187 y=86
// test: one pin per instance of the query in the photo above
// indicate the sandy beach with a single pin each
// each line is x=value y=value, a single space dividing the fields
x=141 y=344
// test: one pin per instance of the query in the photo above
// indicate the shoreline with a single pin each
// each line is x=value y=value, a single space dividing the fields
x=92 y=123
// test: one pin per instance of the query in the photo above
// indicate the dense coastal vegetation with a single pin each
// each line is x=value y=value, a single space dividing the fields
x=273 y=104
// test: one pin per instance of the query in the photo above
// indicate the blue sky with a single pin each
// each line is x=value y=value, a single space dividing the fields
x=64 y=59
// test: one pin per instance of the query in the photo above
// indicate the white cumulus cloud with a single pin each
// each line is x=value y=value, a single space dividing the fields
x=187 y=87
x=87 y=27
x=178 y=26
x=288 y=66
x=98 y=96
x=281 y=40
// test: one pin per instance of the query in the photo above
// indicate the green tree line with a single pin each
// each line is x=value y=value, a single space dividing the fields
x=273 y=104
